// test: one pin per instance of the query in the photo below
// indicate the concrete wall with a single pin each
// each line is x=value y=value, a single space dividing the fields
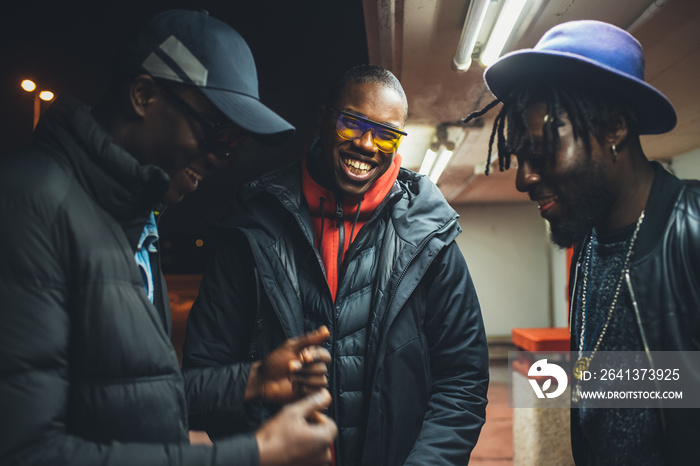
x=508 y=253
x=687 y=165
x=520 y=277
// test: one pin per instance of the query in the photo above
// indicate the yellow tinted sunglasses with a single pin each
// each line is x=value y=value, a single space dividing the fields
x=351 y=126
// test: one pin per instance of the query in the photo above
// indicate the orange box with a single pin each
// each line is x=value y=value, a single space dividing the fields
x=541 y=339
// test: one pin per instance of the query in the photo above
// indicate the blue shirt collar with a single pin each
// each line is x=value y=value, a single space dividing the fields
x=149 y=235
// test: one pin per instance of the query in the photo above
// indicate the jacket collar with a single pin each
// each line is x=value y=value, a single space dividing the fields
x=418 y=206
x=126 y=189
x=423 y=209
x=662 y=197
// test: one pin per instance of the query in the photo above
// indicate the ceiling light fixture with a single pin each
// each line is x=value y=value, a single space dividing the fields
x=470 y=32
x=490 y=25
x=428 y=161
x=438 y=155
x=506 y=22
x=440 y=164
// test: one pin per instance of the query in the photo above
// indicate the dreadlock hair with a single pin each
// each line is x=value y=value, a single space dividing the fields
x=590 y=112
x=365 y=74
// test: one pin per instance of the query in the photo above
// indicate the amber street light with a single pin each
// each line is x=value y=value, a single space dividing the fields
x=29 y=86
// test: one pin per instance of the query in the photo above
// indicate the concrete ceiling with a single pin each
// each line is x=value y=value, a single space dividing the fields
x=417 y=39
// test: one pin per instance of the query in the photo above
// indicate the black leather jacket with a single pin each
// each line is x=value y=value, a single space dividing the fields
x=664 y=286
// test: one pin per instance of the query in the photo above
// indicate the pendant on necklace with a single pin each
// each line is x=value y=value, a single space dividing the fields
x=580 y=366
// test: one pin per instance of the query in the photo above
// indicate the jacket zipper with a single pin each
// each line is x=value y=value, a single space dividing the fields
x=334 y=318
x=341 y=234
x=372 y=218
x=638 y=316
x=571 y=297
x=421 y=246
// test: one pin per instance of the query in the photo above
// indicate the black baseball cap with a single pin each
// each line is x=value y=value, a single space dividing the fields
x=191 y=47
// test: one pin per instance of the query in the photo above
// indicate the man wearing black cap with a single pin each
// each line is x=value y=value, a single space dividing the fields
x=88 y=372
x=350 y=240
x=575 y=106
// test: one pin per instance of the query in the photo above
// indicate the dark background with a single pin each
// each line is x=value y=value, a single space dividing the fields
x=67 y=47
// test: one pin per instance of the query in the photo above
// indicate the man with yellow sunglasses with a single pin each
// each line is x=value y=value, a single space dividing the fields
x=350 y=240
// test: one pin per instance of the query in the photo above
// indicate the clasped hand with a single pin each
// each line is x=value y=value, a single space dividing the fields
x=292 y=371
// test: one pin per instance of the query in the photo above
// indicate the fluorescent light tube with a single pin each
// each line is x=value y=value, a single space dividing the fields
x=428 y=162
x=501 y=31
x=442 y=161
x=472 y=25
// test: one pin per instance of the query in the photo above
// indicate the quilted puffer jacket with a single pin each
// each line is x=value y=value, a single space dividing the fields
x=418 y=359
x=87 y=371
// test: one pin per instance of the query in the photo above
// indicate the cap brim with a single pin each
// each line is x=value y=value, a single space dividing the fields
x=252 y=115
x=655 y=112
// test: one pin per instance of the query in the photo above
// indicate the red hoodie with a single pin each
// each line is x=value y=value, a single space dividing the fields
x=326 y=226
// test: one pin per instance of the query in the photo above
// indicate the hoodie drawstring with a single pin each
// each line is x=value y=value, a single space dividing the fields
x=357 y=217
x=323 y=222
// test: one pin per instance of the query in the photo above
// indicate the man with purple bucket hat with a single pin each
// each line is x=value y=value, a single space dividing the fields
x=573 y=109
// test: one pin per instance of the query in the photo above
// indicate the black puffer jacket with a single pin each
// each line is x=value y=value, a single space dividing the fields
x=87 y=371
x=425 y=361
x=664 y=286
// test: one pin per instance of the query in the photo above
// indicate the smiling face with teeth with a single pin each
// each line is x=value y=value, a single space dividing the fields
x=573 y=187
x=354 y=165
x=179 y=144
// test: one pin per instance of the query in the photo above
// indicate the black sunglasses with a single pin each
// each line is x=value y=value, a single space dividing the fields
x=219 y=138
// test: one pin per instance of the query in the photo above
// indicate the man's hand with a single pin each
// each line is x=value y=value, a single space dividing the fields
x=199 y=437
x=299 y=434
x=295 y=369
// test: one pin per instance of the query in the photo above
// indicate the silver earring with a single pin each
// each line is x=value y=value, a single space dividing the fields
x=613 y=149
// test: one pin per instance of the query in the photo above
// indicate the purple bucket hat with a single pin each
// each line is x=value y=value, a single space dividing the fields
x=602 y=54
